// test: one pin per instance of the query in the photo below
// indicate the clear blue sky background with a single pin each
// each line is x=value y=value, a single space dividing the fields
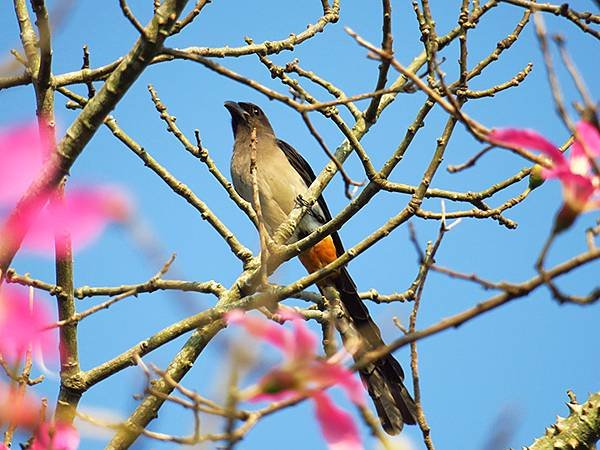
x=507 y=370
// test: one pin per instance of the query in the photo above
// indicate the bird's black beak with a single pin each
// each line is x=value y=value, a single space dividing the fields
x=236 y=111
x=238 y=114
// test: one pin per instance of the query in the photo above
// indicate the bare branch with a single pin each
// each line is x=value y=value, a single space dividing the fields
x=88 y=121
x=129 y=16
x=347 y=180
x=177 y=186
x=189 y=18
x=518 y=291
x=581 y=19
x=540 y=30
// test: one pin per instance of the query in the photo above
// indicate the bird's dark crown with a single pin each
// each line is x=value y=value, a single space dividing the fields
x=247 y=115
x=251 y=109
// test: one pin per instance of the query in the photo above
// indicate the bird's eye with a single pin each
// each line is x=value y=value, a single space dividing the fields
x=255 y=111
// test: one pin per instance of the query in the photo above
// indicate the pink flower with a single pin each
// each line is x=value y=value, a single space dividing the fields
x=581 y=185
x=23 y=410
x=17 y=407
x=84 y=213
x=304 y=373
x=55 y=436
x=22 y=326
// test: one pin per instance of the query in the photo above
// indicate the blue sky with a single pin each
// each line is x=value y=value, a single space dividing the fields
x=510 y=367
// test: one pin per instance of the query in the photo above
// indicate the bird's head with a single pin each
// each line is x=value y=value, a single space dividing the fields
x=246 y=116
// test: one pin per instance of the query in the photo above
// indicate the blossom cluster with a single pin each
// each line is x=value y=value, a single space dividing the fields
x=577 y=172
x=305 y=374
x=25 y=322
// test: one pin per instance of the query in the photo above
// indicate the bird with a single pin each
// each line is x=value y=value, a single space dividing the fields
x=283 y=176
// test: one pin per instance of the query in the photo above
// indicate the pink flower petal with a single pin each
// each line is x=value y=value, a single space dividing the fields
x=586 y=145
x=578 y=150
x=305 y=341
x=266 y=330
x=528 y=139
x=580 y=185
x=21 y=327
x=57 y=436
x=577 y=191
x=337 y=426
x=84 y=214
x=286 y=313
x=590 y=136
x=555 y=172
x=21 y=158
x=326 y=374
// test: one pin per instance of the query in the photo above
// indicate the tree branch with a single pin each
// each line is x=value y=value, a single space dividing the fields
x=579 y=431
x=85 y=126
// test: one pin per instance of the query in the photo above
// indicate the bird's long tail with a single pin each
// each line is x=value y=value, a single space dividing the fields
x=384 y=378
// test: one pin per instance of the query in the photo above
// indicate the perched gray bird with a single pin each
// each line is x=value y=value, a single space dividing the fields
x=282 y=175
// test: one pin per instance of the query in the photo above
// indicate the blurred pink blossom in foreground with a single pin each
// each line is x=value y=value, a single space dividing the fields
x=23 y=410
x=22 y=155
x=581 y=184
x=18 y=407
x=22 y=326
x=83 y=213
x=55 y=436
x=304 y=373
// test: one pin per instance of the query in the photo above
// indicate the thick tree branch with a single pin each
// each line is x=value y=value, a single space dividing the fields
x=66 y=404
x=579 y=431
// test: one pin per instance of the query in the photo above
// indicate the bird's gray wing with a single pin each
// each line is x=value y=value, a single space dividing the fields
x=303 y=168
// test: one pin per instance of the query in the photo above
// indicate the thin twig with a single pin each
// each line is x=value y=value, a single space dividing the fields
x=575 y=75
x=347 y=180
x=470 y=162
x=86 y=66
x=132 y=19
x=387 y=46
x=262 y=229
x=177 y=186
x=517 y=291
x=479 y=129
x=201 y=153
x=581 y=19
x=77 y=317
x=189 y=18
x=540 y=30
